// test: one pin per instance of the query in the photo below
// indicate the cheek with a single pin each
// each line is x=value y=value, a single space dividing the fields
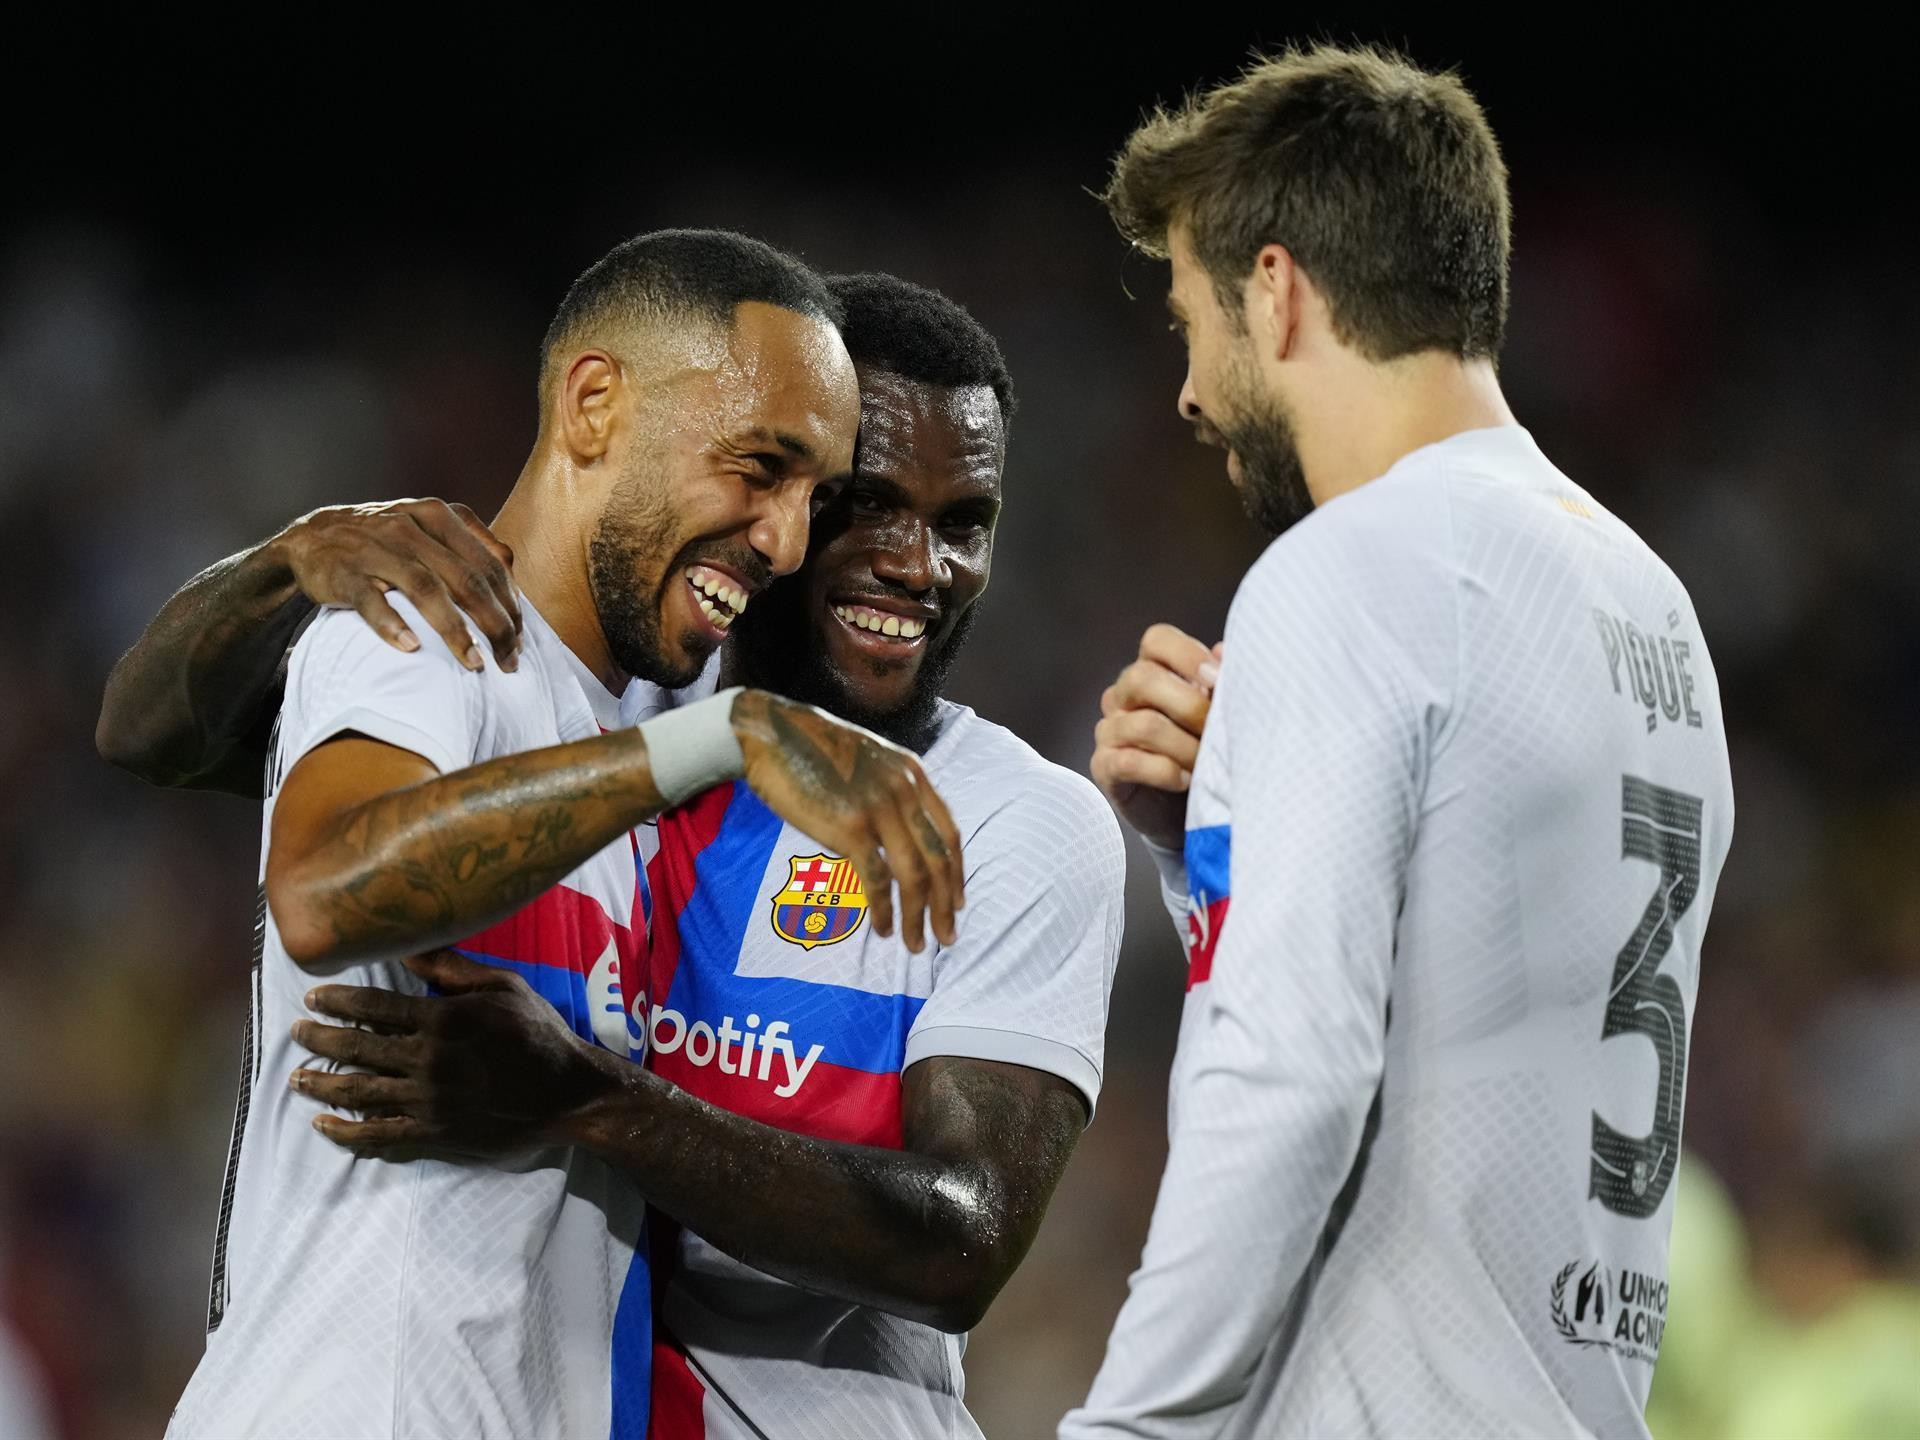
x=837 y=559
x=971 y=564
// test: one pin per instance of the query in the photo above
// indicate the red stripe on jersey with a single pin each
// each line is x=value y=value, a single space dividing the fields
x=679 y=1399
x=1203 y=938
x=834 y=1102
x=684 y=834
x=562 y=928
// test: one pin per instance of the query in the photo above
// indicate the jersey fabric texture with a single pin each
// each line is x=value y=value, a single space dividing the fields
x=1461 y=804
x=431 y=1298
x=769 y=995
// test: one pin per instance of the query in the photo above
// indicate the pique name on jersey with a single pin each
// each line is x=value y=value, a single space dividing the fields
x=1648 y=669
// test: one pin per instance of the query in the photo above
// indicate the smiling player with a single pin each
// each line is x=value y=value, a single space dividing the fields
x=694 y=396
x=859 y=1141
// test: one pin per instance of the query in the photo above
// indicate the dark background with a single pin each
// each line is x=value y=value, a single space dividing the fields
x=243 y=274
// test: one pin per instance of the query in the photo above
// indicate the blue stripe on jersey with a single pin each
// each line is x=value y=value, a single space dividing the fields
x=633 y=1349
x=860 y=1030
x=1207 y=852
x=565 y=990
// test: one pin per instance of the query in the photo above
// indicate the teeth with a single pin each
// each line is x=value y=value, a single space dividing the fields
x=891 y=625
x=714 y=615
x=718 y=591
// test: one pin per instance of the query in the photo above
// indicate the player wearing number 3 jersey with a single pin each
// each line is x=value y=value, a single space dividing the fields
x=1452 y=827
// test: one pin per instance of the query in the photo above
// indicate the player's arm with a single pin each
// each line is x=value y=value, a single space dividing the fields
x=372 y=849
x=1274 y=1082
x=930 y=1231
x=1147 y=742
x=192 y=702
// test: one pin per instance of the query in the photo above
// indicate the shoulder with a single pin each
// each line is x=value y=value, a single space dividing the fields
x=340 y=663
x=1397 y=529
x=1372 y=576
x=1003 y=792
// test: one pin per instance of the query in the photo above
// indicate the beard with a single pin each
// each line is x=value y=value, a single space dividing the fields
x=629 y=592
x=775 y=646
x=1257 y=427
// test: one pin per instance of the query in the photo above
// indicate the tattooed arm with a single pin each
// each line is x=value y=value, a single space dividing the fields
x=191 y=703
x=372 y=850
x=930 y=1231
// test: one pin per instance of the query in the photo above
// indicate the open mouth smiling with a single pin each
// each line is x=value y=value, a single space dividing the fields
x=719 y=596
x=881 y=629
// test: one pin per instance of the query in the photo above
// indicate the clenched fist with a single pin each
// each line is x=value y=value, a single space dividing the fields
x=1148 y=738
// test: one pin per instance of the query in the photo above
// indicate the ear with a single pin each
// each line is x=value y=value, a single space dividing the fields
x=1273 y=300
x=590 y=394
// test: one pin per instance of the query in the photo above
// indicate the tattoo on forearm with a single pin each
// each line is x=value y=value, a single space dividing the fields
x=200 y=679
x=437 y=861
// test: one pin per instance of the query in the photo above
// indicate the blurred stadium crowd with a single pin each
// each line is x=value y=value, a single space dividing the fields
x=1725 y=391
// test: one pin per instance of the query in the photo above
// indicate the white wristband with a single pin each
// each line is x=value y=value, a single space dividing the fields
x=693 y=749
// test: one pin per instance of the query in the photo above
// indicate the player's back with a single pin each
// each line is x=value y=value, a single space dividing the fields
x=1497 y=1262
x=428 y=1297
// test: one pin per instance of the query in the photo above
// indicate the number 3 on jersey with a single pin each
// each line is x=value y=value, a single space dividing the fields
x=1630 y=1174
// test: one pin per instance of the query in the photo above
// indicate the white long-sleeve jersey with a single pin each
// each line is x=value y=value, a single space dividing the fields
x=1460 y=807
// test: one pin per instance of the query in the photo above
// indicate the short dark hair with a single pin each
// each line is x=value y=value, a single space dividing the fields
x=707 y=273
x=1382 y=180
x=920 y=334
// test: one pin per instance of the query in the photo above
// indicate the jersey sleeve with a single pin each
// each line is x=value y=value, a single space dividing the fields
x=1278 y=1070
x=1028 y=981
x=344 y=677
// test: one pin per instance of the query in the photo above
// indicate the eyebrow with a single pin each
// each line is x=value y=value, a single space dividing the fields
x=792 y=444
x=892 y=492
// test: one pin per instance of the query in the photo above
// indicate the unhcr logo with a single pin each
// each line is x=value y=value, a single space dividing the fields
x=1619 y=1310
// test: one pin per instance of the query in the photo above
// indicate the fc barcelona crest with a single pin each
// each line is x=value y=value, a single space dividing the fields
x=822 y=902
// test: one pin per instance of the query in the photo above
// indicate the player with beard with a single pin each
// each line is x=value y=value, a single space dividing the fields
x=695 y=395
x=1441 y=823
x=858 y=1142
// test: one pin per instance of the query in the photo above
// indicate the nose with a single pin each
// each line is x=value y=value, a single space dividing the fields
x=915 y=561
x=779 y=531
x=1189 y=402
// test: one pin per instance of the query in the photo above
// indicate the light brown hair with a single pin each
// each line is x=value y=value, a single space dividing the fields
x=1382 y=180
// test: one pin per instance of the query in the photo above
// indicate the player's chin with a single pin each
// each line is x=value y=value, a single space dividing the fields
x=876 y=680
x=685 y=651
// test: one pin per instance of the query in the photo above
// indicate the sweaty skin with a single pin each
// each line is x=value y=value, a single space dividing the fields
x=930 y=1231
x=372 y=849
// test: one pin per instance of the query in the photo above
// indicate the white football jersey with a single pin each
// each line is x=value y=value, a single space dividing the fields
x=770 y=995
x=435 y=1297
x=1459 y=812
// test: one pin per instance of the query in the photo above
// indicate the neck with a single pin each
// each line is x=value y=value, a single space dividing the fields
x=541 y=521
x=915 y=725
x=1377 y=414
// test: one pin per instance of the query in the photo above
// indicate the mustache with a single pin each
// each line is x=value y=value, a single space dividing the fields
x=744 y=560
x=1207 y=435
x=930 y=602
